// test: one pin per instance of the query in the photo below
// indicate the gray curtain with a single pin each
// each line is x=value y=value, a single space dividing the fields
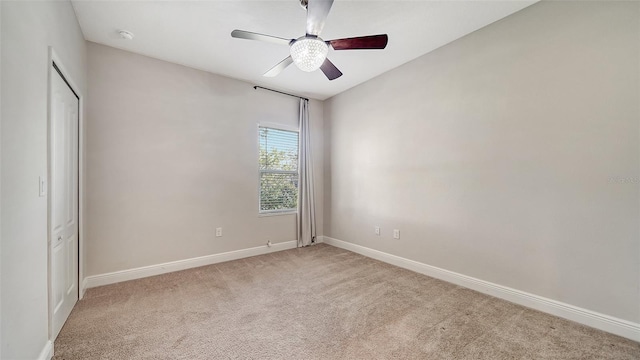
x=306 y=200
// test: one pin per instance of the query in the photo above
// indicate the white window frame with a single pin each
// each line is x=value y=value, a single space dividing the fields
x=284 y=127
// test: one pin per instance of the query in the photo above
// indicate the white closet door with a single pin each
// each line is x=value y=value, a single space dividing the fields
x=64 y=201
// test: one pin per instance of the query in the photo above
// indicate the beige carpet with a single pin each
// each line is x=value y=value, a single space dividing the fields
x=317 y=303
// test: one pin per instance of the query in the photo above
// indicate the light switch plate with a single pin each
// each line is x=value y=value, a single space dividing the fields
x=42 y=186
x=396 y=234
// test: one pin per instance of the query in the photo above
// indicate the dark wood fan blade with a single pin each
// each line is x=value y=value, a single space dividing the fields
x=362 y=42
x=278 y=68
x=317 y=11
x=241 y=34
x=330 y=70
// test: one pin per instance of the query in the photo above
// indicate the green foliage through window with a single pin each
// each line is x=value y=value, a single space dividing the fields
x=278 y=170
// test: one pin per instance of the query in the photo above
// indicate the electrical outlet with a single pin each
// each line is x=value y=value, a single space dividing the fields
x=218 y=232
x=396 y=234
x=377 y=230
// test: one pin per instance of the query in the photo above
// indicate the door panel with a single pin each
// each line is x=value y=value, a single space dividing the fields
x=64 y=201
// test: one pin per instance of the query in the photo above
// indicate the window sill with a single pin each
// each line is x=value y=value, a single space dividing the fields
x=277 y=213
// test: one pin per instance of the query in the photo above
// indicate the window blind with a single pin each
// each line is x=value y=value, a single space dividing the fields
x=278 y=159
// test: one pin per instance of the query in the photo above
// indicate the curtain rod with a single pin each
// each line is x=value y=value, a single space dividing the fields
x=256 y=87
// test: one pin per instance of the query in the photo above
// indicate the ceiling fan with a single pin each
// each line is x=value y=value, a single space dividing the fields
x=309 y=52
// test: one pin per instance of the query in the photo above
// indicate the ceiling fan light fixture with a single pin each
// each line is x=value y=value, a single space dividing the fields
x=309 y=53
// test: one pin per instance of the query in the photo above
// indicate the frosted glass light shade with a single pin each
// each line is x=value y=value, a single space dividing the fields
x=309 y=53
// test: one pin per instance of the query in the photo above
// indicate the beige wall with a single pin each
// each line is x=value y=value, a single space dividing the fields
x=171 y=155
x=28 y=29
x=1 y=183
x=510 y=155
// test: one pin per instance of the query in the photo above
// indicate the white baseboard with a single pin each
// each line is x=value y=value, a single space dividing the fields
x=152 y=270
x=47 y=351
x=83 y=288
x=590 y=318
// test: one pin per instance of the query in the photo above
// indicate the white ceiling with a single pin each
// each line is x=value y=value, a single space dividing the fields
x=197 y=34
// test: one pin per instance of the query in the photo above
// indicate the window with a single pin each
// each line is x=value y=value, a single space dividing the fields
x=278 y=157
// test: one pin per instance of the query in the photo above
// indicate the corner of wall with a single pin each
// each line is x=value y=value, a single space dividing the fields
x=326 y=169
